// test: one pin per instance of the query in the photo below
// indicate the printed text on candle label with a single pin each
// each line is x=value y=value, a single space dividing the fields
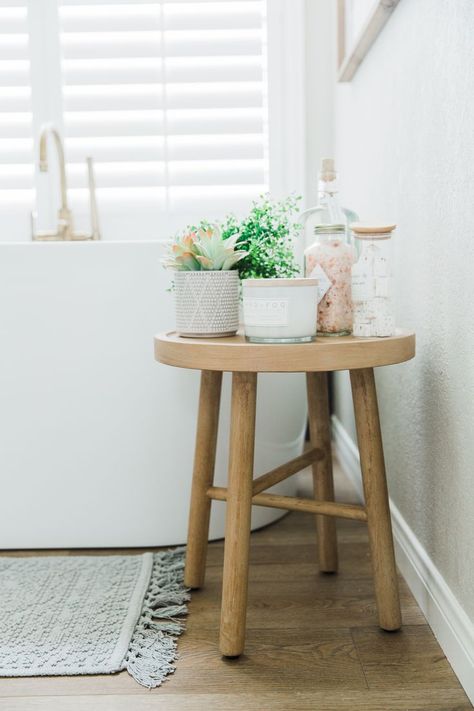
x=265 y=312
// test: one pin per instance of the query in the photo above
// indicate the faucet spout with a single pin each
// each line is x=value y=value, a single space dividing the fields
x=65 y=227
x=50 y=129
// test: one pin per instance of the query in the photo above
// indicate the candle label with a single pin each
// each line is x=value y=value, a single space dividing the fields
x=324 y=282
x=265 y=312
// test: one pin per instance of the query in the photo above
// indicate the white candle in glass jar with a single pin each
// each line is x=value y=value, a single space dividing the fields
x=280 y=310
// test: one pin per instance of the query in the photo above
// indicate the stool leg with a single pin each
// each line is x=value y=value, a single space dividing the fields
x=320 y=434
x=239 y=507
x=376 y=498
x=203 y=475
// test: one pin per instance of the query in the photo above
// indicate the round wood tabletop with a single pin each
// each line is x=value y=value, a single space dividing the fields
x=235 y=354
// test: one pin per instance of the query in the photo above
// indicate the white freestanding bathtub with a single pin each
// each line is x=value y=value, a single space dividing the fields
x=96 y=438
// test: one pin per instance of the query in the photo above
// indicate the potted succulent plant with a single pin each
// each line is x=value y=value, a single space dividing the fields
x=278 y=306
x=206 y=283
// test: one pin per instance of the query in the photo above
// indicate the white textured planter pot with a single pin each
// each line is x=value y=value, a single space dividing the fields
x=280 y=310
x=207 y=303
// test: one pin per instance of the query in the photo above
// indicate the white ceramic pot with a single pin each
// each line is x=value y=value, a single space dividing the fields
x=280 y=310
x=207 y=303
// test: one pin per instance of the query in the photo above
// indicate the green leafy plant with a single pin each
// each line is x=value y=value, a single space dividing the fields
x=267 y=235
x=203 y=248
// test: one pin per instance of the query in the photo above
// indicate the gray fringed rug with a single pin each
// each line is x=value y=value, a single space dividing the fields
x=92 y=615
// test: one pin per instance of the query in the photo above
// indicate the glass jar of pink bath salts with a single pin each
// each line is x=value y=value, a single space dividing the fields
x=330 y=260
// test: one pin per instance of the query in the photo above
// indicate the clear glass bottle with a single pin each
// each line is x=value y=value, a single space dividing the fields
x=372 y=282
x=330 y=260
x=328 y=209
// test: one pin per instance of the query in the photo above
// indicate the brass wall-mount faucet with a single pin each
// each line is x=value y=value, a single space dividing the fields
x=65 y=227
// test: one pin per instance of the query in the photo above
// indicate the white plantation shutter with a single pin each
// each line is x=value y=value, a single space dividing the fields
x=170 y=99
x=16 y=143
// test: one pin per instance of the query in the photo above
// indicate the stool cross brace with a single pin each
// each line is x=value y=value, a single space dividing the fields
x=293 y=503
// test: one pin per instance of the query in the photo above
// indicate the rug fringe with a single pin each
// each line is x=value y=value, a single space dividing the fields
x=152 y=650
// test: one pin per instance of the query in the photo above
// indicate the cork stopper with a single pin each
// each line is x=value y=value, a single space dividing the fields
x=328 y=170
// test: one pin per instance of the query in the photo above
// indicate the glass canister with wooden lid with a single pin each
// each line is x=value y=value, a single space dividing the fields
x=372 y=281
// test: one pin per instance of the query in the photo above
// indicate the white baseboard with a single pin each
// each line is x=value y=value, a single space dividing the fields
x=450 y=624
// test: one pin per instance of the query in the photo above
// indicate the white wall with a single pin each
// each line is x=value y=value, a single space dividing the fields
x=405 y=149
x=320 y=57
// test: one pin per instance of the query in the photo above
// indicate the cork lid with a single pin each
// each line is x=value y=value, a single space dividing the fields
x=360 y=228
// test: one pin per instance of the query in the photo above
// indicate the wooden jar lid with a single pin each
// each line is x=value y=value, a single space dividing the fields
x=365 y=229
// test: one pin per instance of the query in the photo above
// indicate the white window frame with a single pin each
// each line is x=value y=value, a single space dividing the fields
x=286 y=96
x=285 y=101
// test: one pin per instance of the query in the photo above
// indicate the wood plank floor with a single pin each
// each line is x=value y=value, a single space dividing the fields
x=312 y=642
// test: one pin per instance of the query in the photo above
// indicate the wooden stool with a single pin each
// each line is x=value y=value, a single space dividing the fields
x=245 y=360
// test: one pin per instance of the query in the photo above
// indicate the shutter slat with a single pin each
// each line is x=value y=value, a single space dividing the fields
x=152 y=148
x=205 y=198
x=16 y=202
x=110 y=18
x=14 y=46
x=179 y=121
x=206 y=69
x=214 y=172
x=110 y=44
x=116 y=148
x=76 y=45
x=23 y=3
x=116 y=123
x=15 y=125
x=12 y=19
x=15 y=150
x=127 y=198
x=208 y=16
x=212 y=42
x=15 y=98
x=14 y=176
x=152 y=70
x=131 y=17
x=201 y=147
x=112 y=71
x=151 y=96
x=108 y=98
x=117 y=174
x=214 y=95
x=183 y=121
x=96 y=3
x=152 y=173
x=14 y=72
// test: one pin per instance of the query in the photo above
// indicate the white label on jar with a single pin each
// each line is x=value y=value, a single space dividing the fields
x=381 y=267
x=362 y=283
x=265 y=312
x=382 y=287
x=324 y=282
